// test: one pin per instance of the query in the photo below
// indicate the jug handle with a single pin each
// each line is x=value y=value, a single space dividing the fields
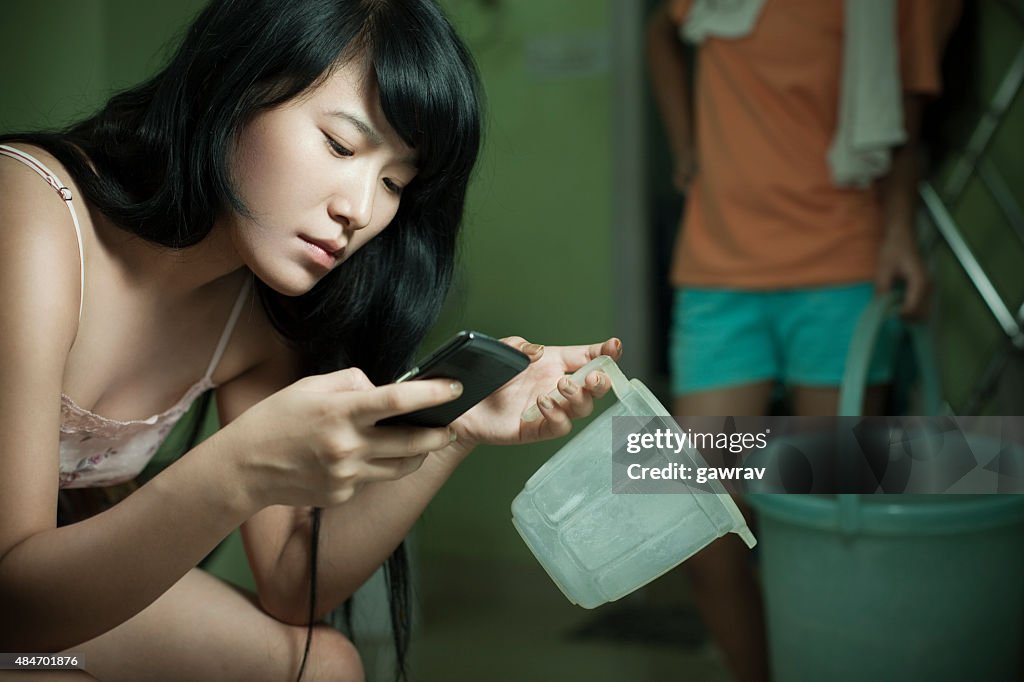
x=602 y=363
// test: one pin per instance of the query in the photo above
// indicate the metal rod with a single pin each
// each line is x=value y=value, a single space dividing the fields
x=947 y=227
x=1003 y=195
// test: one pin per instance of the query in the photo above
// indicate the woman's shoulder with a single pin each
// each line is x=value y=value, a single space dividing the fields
x=34 y=209
x=39 y=249
x=34 y=185
x=28 y=159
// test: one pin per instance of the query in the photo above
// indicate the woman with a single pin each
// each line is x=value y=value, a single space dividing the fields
x=281 y=201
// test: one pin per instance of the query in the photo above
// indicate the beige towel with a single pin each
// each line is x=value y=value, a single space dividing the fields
x=720 y=19
x=871 y=97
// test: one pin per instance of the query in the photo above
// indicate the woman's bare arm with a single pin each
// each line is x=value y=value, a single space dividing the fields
x=356 y=537
x=60 y=587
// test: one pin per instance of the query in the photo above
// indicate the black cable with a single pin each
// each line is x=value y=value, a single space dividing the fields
x=314 y=546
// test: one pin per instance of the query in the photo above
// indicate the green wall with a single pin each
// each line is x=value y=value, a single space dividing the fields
x=51 y=65
x=141 y=36
x=61 y=58
x=537 y=253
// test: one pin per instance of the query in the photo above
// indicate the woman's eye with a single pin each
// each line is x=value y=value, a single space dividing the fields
x=337 y=148
x=392 y=187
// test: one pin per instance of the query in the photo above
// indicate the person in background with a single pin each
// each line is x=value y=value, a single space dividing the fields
x=797 y=149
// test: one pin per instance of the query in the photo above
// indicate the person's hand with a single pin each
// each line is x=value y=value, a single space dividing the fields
x=498 y=419
x=314 y=443
x=900 y=260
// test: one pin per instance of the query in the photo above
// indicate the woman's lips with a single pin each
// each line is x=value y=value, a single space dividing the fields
x=323 y=252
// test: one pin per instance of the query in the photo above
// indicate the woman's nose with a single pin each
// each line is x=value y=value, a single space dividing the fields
x=353 y=203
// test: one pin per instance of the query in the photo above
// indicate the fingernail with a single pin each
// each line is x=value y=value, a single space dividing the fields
x=599 y=380
x=569 y=386
x=452 y=436
x=456 y=387
x=546 y=402
x=532 y=348
x=617 y=345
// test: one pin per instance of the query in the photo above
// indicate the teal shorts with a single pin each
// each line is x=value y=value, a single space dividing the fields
x=722 y=338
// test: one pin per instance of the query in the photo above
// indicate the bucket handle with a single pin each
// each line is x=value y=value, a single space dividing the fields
x=855 y=379
x=862 y=346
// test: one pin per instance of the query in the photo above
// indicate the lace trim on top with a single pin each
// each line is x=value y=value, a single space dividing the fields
x=99 y=451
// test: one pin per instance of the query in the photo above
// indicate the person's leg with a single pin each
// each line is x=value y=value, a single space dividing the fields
x=815 y=401
x=204 y=629
x=724 y=365
x=721 y=577
x=823 y=401
x=749 y=400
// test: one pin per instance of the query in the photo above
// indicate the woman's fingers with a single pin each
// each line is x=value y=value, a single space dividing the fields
x=389 y=469
x=369 y=407
x=407 y=441
x=533 y=350
x=571 y=399
x=578 y=402
x=556 y=421
x=391 y=452
x=575 y=357
x=597 y=384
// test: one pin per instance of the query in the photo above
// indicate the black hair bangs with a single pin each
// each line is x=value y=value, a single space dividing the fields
x=430 y=99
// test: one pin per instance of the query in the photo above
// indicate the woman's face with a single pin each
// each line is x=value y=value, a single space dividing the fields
x=321 y=175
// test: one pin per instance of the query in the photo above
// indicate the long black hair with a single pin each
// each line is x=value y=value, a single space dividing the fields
x=161 y=156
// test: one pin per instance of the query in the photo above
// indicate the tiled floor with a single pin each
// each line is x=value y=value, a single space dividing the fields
x=488 y=621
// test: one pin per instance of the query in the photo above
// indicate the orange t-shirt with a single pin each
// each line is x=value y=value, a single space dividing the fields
x=762 y=212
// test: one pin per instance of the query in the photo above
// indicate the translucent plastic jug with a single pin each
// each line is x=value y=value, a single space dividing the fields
x=599 y=546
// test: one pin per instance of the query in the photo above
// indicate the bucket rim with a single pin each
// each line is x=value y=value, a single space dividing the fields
x=947 y=515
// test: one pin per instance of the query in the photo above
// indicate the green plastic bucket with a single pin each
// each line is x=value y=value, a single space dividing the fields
x=889 y=587
x=892 y=587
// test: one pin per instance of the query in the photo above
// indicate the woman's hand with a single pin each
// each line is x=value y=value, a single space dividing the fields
x=498 y=419
x=314 y=443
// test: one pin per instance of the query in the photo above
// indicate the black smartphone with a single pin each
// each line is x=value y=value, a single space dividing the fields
x=483 y=365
